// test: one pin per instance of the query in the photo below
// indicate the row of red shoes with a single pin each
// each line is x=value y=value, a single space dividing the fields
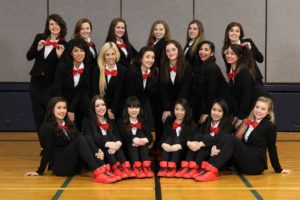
x=191 y=169
x=105 y=174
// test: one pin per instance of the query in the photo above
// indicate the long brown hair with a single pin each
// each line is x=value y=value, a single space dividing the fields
x=78 y=26
x=167 y=36
x=227 y=41
x=198 y=39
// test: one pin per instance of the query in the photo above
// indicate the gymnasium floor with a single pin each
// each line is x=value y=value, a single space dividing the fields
x=19 y=153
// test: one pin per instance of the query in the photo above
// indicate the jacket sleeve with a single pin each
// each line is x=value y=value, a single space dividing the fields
x=272 y=149
x=187 y=83
x=33 y=52
x=257 y=55
x=246 y=95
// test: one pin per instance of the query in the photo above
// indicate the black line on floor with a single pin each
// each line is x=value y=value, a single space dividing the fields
x=64 y=185
x=252 y=190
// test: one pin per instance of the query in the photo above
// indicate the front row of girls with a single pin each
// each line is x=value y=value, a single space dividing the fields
x=212 y=146
x=67 y=151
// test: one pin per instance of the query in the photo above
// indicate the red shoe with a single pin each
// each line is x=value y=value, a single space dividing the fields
x=162 y=168
x=202 y=170
x=127 y=168
x=137 y=168
x=182 y=170
x=171 y=169
x=118 y=170
x=100 y=176
x=108 y=171
x=192 y=170
x=211 y=174
x=147 y=168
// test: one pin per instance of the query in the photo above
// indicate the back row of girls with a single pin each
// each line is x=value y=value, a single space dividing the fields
x=161 y=73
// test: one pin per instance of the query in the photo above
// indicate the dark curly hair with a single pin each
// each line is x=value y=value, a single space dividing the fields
x=61 y=23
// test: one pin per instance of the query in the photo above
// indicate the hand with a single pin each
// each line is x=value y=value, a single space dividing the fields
x=166 y=147
x=41 y=44
x=136 y=141
x=111 y=151
x=214 y=151
x=203 y=118
x=59 y=50
x=71 y=116
x=111 y=115
x=239 y=134
x=31 y=174
x=234 y=120
x=192 y=145
x=99 y=154
x=176 y=147
x=286 y=171
x=246 y=44
x=238 y=123
x=165 y=115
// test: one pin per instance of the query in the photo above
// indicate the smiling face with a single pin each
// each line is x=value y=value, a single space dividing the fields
x=179 y=112
x=205 y=52
x=159 y=31
x=54 y=27
x=234 y=34
x=60 y=110
x=148 y=59
x=172 y=52
x=193 y=31
x=261 y=110
x=78 y=55
x=85 y=30
x=120 y=29
x=216 y=112
x=100 y=108
x=231 y=57
x=133 y=112
x=110 y=57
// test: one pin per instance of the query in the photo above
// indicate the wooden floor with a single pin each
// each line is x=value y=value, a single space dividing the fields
x=19 y=153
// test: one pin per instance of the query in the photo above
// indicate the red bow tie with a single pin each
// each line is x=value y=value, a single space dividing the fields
x=176 y=125
x=112 y=72
x=173 y=68
x=214 y=130
x=147 y=75
x=77 y=71
x=122 y=45
x=48 y=43
x=63 y=127
x=103 y=126
x=152 y=46
x=231 y=75
x=137 y=125
x=90 y=43
x=254 y=124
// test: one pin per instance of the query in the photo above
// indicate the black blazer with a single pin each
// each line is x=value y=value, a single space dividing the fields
x=127 y=135
x=244 y=93
x=159 y=48
x=127 y=60
x=191 y=57
x=43 y=67
x=134 y=84
x=202 y=134
x=114 y=93
x=90 y=127
x=263 y=137
x=93 y=58
x=64 y=86
x=180 y=89
x=209 y=82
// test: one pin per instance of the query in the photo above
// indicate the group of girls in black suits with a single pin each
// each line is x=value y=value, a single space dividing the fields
x=136 y=91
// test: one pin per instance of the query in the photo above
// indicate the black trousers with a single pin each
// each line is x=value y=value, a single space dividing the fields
x=71 y=160
x=245 y=159
x=172 y=156
x=112 y=159
x=140 y=153
x=198 y=156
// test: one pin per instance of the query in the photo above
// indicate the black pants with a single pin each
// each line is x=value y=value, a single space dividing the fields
x=172 y=156
x=245 y=159
x=198 y=156
x=140 y=153
x=71 y=160
x=112 y=159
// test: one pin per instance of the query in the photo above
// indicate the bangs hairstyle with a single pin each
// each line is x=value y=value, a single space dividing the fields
x=78 y=26
x=81 y=44
x=188 y=117
x=132 y=102
x=224 y=106
x=61 y=23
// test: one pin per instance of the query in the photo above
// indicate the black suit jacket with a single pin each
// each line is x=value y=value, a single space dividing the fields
x=159 y=48
x=127 y=60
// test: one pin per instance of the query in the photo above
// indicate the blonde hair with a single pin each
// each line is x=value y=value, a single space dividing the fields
x=251 y=116
x=198 y=39
x=102 y=64
x=167 y=36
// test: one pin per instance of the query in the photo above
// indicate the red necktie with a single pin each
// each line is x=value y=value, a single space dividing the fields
x=173 y=68
x=90 y=43
x=231 y=75
x=122 y=45
x=48 y=43
x=112 y=72
x=252 y=123
x=147 y=75
x=176 y=125
x=77 y=71
x=137 y=125
x=214 y=130
x=103 y=126
x=63 y=127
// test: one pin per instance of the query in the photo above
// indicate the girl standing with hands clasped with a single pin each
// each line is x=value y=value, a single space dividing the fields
x=234 y=34
x=137 y=136
x=46 y=50
x=65 y=148
x=248 y=149
x=117 y=33
x=83 y=29
x=106 y=136
x=158 y=37
x=199 y=144
x=177 y=130
x=109 y=79
x=194 y=35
